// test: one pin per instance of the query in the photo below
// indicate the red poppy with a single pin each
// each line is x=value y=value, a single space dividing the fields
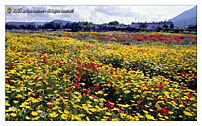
x=182 y=87
x=69 y=89
x=102 y=91
x=77 y=85
x=95 y=86
x=142 y=107
x=145 y=84
x=87 y=71
x=190 y=95
x=161 y=85
x=164 y=111
x=11 y=65
x=78 y=79
x=93 y=96
x=36 y=78
x=157 y=111
x=120 y=78
x=84 y=79
x=9 y=80
x=88 y=90
x=50 y=107
x=165 y=101
x=110 y=104
x=37 y=96
x=129 y=80
x=140 y=99
x=94 y=68
x=155 y=99
x=120 y=111
x=77 y=68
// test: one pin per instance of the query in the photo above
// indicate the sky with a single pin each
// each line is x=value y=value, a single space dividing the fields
x=99 y=14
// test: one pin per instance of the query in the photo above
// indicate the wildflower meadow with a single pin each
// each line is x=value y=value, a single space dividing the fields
x=100 y=76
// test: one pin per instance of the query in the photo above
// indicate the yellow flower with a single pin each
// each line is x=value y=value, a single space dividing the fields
x=90 y=97
x=64 y=116
x=87 y=118
x=150 y=117
x=13 y=109
x=187 y=113
x=181 y=105
x=115 y=119
x=7 y=115
x=13 y=114
x=107 y=113
x=36 y=118
x=15 y=102
x=53 y=114
x=66 y=111
x=7 y=103
x=194 y=105
x=27 y=118
x=34 y=113
x=180 y=116
x=145 y=111
x=170 y=112
x=162 y=119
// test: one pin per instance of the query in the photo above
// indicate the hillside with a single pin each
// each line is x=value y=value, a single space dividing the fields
x=186 y=18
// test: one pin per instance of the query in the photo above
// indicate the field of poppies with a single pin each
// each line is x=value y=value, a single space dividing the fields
x=106 y=76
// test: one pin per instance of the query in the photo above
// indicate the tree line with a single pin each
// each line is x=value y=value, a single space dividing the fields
x=86 y=27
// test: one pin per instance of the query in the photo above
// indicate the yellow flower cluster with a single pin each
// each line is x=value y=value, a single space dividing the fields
x=49 y=77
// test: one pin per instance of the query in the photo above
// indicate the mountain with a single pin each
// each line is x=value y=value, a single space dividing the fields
x=188 y=17
x=61 y=21
x=22 y=23
x=39 y=23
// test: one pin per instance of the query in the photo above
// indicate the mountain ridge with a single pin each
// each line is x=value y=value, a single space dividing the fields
x=186 y=18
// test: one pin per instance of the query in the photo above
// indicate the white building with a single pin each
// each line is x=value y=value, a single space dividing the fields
x=153 y=25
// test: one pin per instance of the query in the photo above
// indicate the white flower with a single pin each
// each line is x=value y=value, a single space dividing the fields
x=43 y=115
x=13 y=108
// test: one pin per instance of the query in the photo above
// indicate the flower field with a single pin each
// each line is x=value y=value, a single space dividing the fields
x=108 y=76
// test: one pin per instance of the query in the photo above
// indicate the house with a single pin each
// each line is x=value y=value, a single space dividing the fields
x=153 y=25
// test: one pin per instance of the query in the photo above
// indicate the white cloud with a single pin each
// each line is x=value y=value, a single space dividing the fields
x=101 y=14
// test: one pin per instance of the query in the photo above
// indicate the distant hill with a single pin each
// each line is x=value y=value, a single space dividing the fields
x=22 y=23
x=39 y=23
x=186 y=18
x=61 y=21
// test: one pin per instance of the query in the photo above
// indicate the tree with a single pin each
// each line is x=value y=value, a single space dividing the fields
x=58 y=26
x=113 y=23
x=192 y=27
x=143 y=25
x=165 y=26
x=12 y=26
x=49 y=25
x=172 y=26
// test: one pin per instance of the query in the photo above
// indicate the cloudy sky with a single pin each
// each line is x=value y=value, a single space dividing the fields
x=99 y=14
